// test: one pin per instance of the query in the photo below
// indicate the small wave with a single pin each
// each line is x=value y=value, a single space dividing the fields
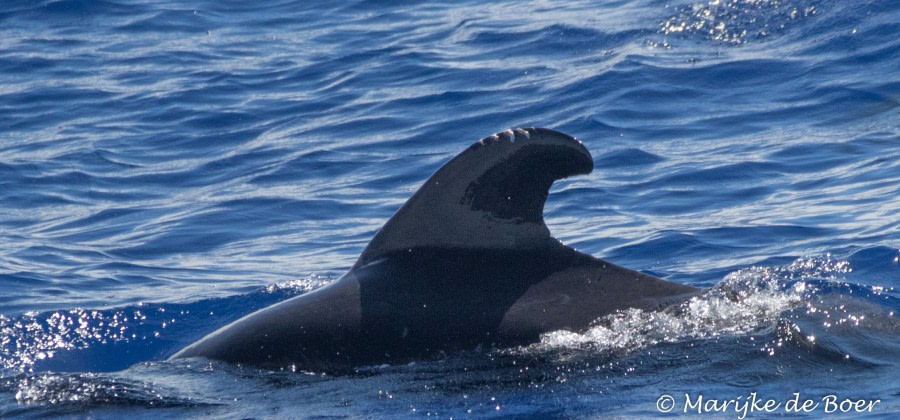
x=113 y=339
x=90 y=390
x=736 y=21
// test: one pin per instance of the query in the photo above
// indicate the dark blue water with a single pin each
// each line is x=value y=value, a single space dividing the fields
x=167 y=167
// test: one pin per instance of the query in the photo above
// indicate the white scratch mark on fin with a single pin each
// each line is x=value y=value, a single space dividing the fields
x=512 y=136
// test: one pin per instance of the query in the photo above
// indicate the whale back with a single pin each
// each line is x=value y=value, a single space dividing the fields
x=467 y=261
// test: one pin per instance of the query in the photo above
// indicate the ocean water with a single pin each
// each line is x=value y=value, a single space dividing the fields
x=166 y=168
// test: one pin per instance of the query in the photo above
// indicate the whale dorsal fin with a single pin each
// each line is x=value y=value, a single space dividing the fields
x=489 y=196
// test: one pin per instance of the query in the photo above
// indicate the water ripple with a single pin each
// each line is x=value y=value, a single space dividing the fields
x=190 y=157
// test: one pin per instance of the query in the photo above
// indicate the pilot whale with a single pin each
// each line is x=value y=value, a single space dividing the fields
x=468 y=261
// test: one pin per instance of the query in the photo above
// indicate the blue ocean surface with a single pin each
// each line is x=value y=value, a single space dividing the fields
x=168 y=167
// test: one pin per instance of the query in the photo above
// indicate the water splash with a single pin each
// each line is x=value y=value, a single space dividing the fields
x=33 y=339
x=307 y=284
x=745 y=301
x=90 y=389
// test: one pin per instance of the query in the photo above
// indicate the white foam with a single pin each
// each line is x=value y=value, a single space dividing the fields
x=745 y=301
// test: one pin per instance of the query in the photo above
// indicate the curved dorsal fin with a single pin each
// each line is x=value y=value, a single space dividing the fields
x=489 y=196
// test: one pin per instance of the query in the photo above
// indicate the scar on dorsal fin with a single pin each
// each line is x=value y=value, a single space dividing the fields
x=491 y=195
